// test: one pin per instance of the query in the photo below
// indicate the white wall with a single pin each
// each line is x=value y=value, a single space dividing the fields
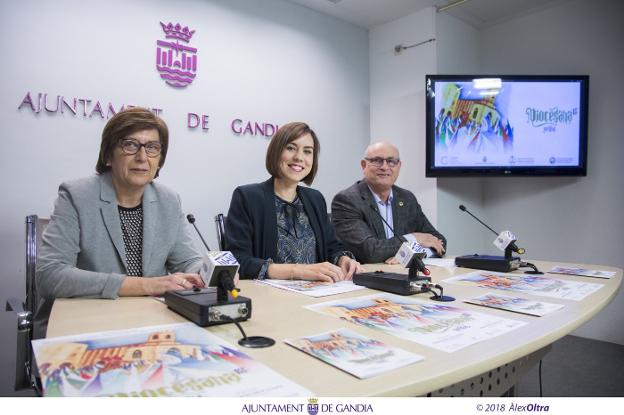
x=562 y=219
x=458 y=52
x=397 y=91
x=261 y=61
x=397 y=88
x=569 y=219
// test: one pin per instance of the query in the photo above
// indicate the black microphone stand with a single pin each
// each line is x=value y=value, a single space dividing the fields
x=415 y=282
x=508 y=249
x=225 y=286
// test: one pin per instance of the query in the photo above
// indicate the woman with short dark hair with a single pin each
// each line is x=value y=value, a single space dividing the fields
x=124 y=124
x=118 y=233
x=278 y=229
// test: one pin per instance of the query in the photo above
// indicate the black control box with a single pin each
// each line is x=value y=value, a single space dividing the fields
x=202 y=307
x=488 y=262
x=392 y=282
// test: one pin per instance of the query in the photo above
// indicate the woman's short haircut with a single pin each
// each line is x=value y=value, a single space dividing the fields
x=285 y=135
x=123 y=124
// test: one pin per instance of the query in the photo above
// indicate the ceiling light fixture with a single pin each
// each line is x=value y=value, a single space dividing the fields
x=487 y=83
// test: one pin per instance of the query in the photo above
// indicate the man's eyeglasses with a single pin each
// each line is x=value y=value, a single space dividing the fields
x=130 y=147
x=379 y=161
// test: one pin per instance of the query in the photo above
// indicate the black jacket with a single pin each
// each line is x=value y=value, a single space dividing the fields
x=251 y=226
x=361 y=228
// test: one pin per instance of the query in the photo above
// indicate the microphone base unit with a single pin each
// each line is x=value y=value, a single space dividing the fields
x=488 y=262
x=202 y=307
x=392 y=282
x=256 y=342
x=442 y=298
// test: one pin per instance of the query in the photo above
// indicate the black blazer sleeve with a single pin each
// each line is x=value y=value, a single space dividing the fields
x=239 y=234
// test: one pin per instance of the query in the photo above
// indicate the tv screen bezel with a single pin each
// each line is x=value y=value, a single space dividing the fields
x=463 y=171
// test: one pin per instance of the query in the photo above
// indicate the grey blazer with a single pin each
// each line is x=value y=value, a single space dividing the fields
x=83 y=253
x=361 y=229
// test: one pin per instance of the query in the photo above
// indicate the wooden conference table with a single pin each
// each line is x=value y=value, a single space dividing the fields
x=487 y=368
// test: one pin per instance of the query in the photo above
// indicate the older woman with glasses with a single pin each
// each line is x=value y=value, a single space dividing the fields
x=118 y=233
x=279 y=229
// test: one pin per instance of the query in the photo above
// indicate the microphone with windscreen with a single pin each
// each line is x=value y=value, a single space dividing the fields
x=506 y=242
x=210 y=306
x=410 y=254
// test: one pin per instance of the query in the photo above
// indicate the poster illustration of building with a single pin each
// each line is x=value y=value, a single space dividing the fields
x=530 y=284
x=169 y=360
x=358 y=355
x=515 y=304
x=435 y=325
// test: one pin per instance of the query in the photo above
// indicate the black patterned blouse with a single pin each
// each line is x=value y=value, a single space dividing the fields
x=296 y=243
x=132 y=229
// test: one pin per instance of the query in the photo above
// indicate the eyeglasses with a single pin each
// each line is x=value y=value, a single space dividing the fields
x=130 y=147
x=379 y=161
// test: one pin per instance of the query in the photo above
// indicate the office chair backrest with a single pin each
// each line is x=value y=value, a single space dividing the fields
x=25 y=375
x=220 y=224
x=34 y=230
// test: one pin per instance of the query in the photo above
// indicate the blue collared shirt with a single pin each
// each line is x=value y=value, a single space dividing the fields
x=385 y=209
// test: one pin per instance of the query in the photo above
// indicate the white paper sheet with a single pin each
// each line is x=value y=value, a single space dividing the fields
x=313 y=288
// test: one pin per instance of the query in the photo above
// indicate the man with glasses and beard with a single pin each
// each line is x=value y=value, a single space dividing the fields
x=357 y=211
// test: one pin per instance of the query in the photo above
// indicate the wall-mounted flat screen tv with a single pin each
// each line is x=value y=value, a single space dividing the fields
x=504 y=125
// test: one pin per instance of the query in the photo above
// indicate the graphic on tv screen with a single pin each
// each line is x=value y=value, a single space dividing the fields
x=513 y=124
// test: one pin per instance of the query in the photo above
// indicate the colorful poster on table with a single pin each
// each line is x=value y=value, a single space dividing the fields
x=169 y=360
x=584 y=272
x=515 y=304
x=435 y=325
x=313 y=288
x=530 y=284
x=358 y=355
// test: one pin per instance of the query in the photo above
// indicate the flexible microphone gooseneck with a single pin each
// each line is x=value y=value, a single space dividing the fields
x=420 y=265
x=401 y=237
x=512 y=245
x=191 y=220
x=225 y=285
x=463 y=209
x=226 y=282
